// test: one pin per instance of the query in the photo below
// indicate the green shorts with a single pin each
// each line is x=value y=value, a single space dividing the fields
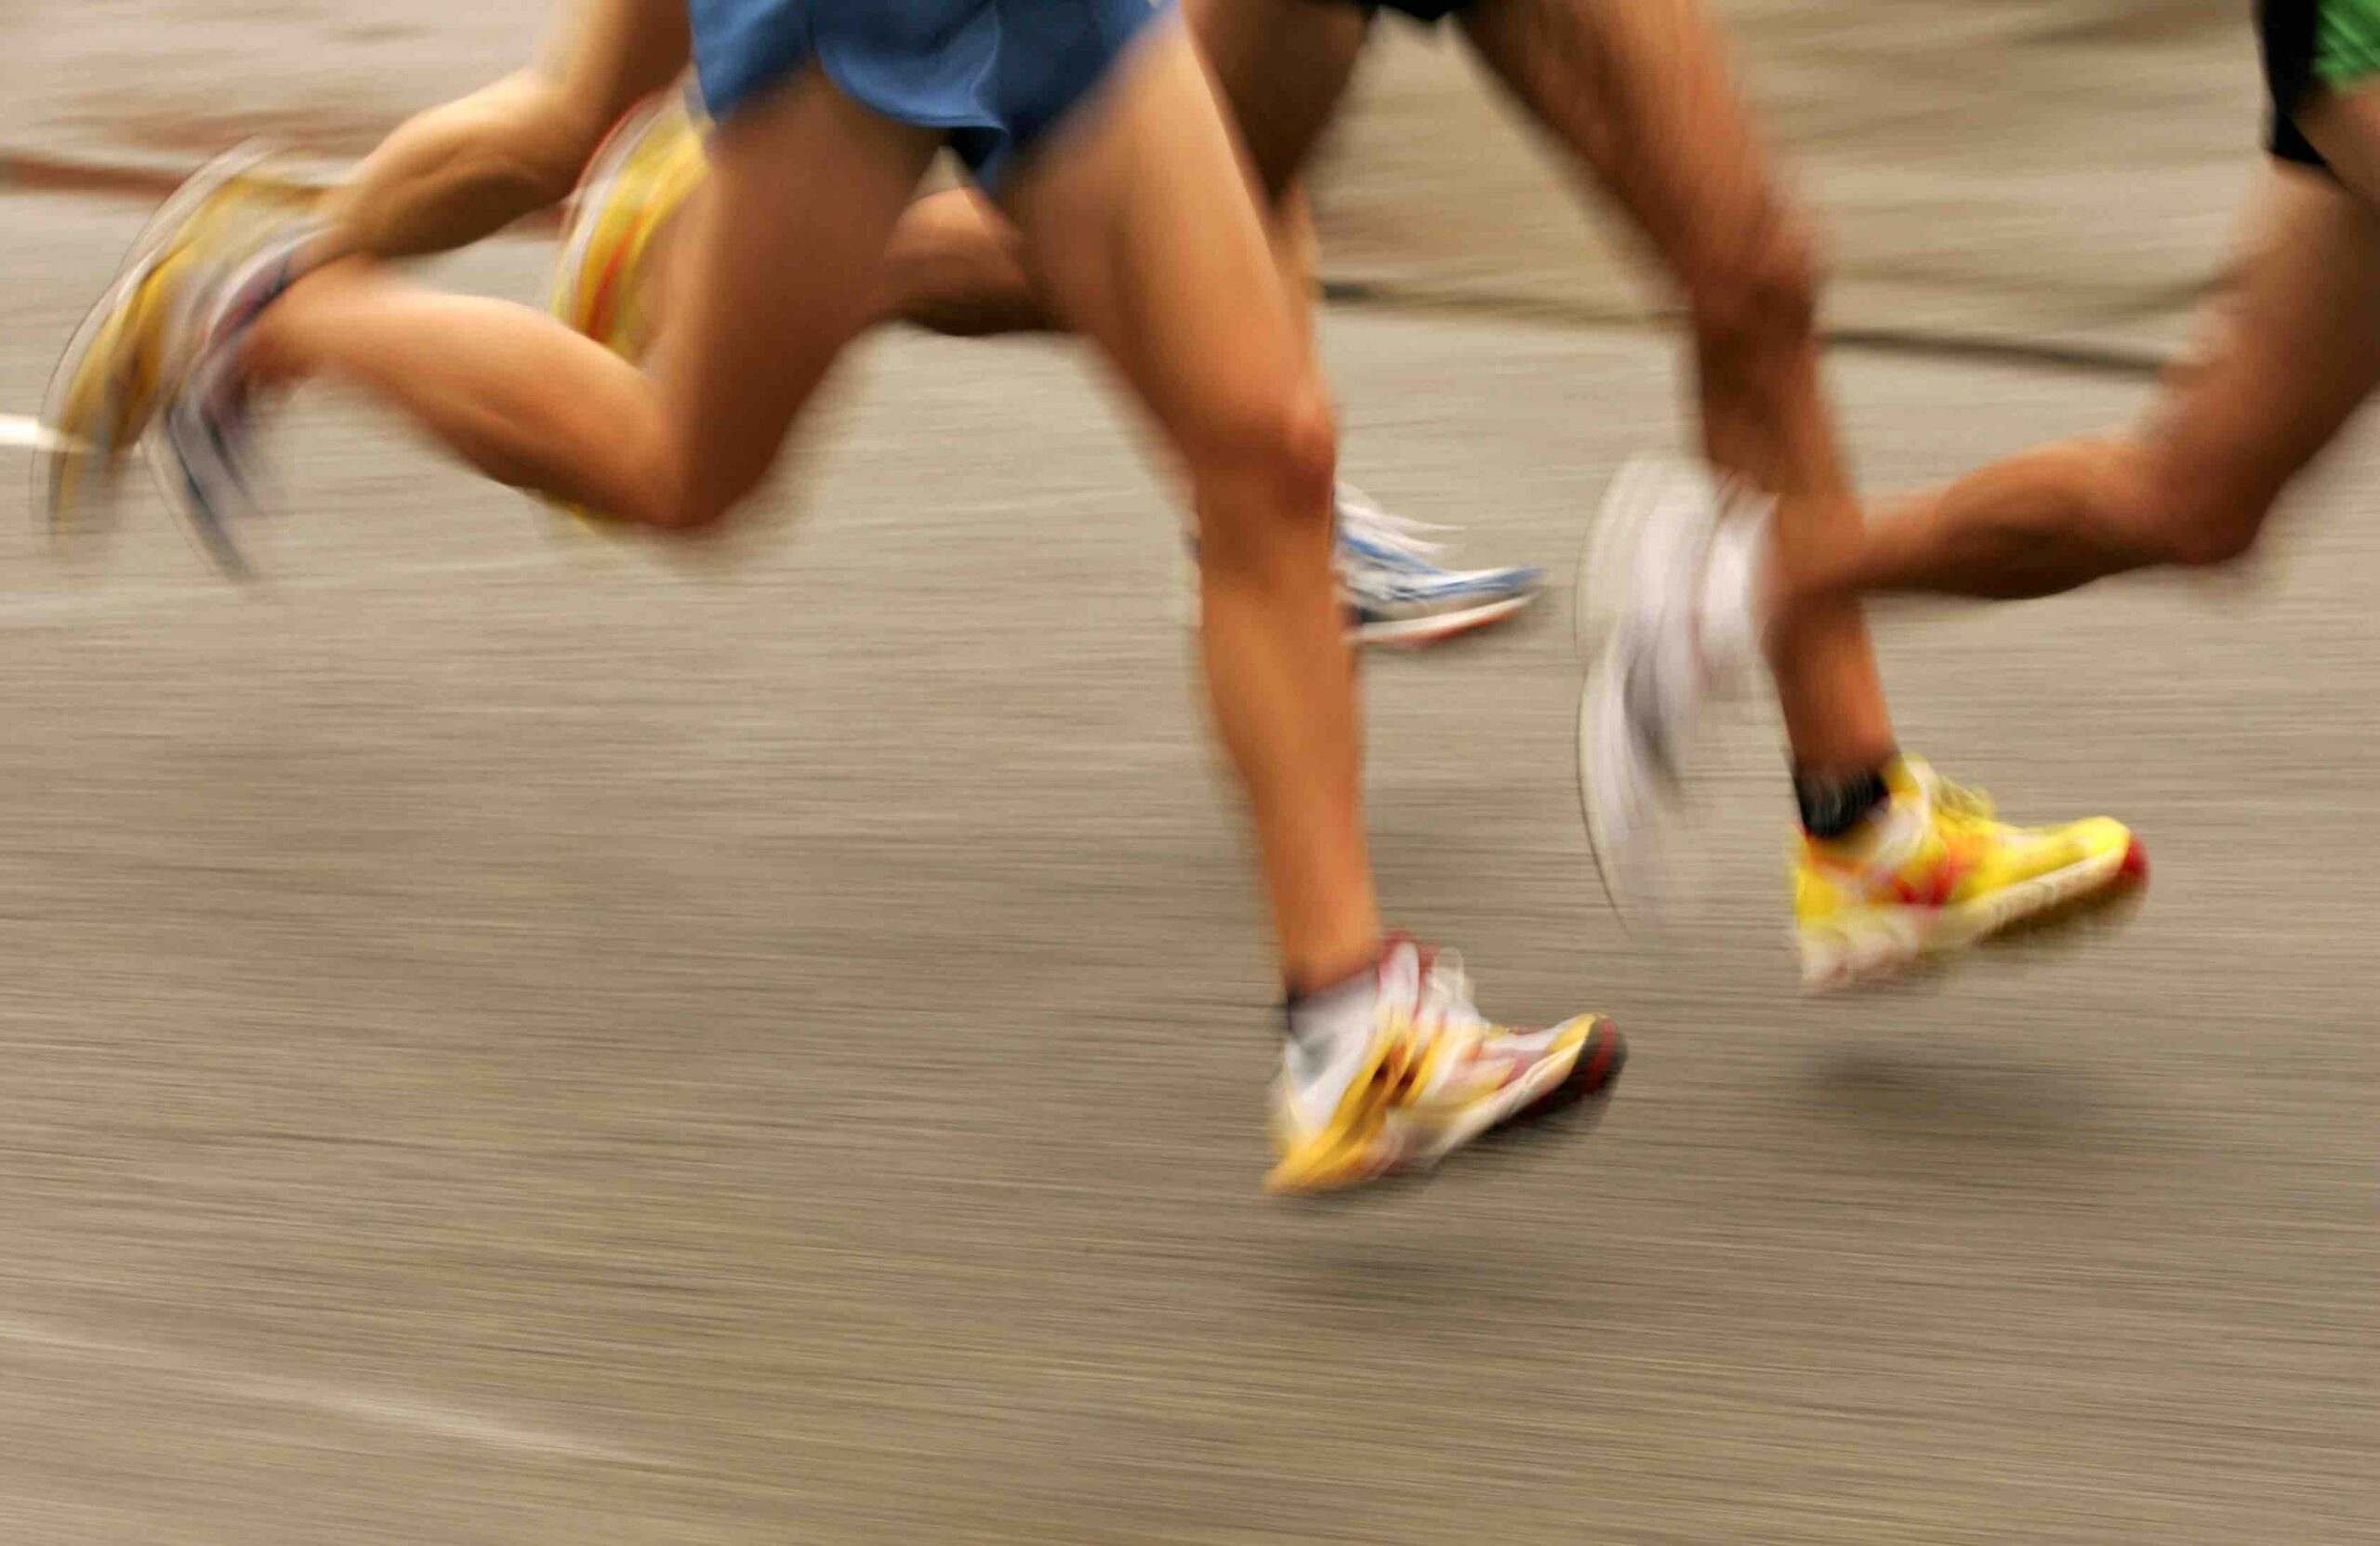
x=2310 y=45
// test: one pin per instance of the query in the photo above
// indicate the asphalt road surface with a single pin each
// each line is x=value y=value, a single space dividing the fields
x=508 y=1040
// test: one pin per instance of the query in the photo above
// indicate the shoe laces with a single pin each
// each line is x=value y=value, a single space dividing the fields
x=1361 y=517
x=1446 y=1009
x=1962 y=803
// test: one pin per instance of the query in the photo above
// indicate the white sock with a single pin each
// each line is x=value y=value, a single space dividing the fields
x=1330 y=1032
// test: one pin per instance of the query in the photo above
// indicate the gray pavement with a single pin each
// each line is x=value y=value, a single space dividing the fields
x=509 y=1040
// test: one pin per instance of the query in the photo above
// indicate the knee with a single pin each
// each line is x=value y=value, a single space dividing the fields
x=1268 y=467
x=1757 y=292
x=1300 y=450
x=2205 y=529
x=954 y=268
x=681 y=505
x=2177 y=516
x=665 y=491
x=683 y=514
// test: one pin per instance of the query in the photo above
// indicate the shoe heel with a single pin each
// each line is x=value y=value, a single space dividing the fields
x=1870 y=944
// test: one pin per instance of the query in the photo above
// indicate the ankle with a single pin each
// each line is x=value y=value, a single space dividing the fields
x=1317 y=975
x=1836 y=801
x=1335 y=1017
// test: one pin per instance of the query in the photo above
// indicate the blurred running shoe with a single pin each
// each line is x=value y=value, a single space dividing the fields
x=204 y=449
x=1393 y=585
x=1422 y=1074
x=1663 y=614
x=1398 y=589
x=1932 y=870
x=122 y=362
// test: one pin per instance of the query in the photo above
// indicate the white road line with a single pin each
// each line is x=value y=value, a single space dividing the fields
x=21 y=608
x=389 y=1411
x=28 y=434
x=24 y=433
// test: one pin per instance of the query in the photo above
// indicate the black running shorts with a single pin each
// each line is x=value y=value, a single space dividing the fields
x=1427 y=12
x=2286 y=29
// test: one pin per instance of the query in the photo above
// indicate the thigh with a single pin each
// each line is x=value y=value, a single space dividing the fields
x=1283 y=67
x=1143 y=226
x=775 y=274
x=1640 y=92
x=609 y=55
x=2344 y=127
x=2295 y=351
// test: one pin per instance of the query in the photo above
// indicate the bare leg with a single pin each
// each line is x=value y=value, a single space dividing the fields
x=957 y=267
x=1283 y=67
x=1138 y=220
x=2301 y=352
x=804 y=182
x=1640 y=94
x=457 y=173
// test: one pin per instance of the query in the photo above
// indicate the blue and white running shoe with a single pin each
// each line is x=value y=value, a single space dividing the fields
x=1397 y=591
x=1393 y=585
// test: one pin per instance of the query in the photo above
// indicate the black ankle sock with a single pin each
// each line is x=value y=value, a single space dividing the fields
x=1832 y=803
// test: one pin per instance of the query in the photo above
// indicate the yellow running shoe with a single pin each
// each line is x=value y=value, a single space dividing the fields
x=123 y=359
x=607 y=282
x=1932 y=871
x=1417 y=1072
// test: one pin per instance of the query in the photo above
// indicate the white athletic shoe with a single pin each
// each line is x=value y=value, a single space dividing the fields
x=1664 y=620
x=1393 y=585
x=1422 y=1074
x=1397 y=591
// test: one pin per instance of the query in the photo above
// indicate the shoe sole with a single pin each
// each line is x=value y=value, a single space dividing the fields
x=1415 y=634
x=1634 y=912
x=1404 y=634
x=1879 y=942
x=1578 y=1097
x=1574 y=1102
x=138 y=260
x=207 y=531
x=69 y=457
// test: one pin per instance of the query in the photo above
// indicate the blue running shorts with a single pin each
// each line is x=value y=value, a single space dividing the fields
x=994 y=75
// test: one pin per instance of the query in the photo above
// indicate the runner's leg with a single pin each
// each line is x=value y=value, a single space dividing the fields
x=457 y=173
x=1147 y=240
x=2299 y=352
x=957 y=266
x=802 y=181
x=1641 y=94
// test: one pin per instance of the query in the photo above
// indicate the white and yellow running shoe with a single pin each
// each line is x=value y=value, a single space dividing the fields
x=1421 y=1076
x=1933 y=870
x=124 y=358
